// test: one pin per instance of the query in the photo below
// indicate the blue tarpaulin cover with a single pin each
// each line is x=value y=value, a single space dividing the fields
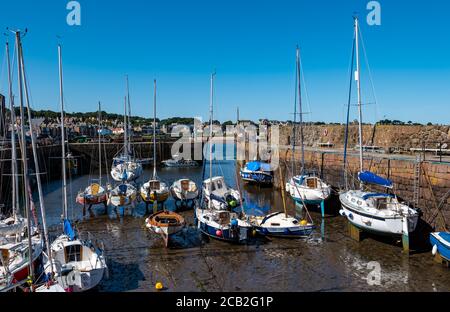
x=257 y=165
x=68 y=230
x=372 y=178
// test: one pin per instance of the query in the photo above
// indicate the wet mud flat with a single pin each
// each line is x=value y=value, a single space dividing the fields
x=137 y=260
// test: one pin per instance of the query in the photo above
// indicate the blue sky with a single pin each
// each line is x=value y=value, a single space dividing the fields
x=250 y=43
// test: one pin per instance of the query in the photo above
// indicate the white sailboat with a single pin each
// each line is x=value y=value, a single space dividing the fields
x=215 y=217
x=154 y=190
x=95 y=193
x=371 y=211
x=21 y=244
x=126 y=167
x=77 y=265
x=305 y=188
x=185 y=193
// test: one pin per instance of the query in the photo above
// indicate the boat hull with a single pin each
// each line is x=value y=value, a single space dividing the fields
x=91 y=200
x=387 y=226
x=256 y=177
x=442 y=245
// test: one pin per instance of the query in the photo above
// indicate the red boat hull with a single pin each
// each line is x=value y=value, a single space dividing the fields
x=94 y=200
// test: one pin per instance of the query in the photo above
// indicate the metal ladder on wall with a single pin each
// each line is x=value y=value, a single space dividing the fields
x=417 y=172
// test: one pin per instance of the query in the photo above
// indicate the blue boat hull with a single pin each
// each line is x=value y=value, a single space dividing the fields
x=443 y=250
x=228 y=235
x=258 y=178
x=285 y=232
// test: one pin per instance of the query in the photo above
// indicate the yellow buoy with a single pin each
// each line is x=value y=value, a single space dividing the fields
x=304 y=223
x=159 y=286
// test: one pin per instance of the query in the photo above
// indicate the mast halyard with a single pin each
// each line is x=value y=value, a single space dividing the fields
x=155 y=177
x=211 y=116
x=125 y=129
x=24 y=153
x=299 y=87
x=14 y=169
x=63 y=136
x=36 y=161
x=100 y=143
x=358 y=83
x=129 y=118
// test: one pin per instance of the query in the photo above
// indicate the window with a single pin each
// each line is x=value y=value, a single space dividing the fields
x=219 y=185
x=73 y=253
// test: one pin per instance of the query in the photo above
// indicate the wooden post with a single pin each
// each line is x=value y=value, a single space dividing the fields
x=354 y=232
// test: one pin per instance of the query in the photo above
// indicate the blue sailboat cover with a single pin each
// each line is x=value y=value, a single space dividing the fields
x=68 y=230
x=257 y=165
x=372 y=178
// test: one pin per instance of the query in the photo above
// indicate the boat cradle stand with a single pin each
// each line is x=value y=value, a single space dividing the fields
x=439 y=259
x=358 y=235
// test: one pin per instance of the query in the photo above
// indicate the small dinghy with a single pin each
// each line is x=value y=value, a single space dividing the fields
x=185 y=192
x=441 y=244
x=279 y=224
x=94 y=194
x=122 y=196
x=257 y=172
x=166 y=224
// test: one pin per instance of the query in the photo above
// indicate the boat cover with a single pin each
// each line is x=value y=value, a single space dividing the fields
x=367 y=196
x=372 y=178
x=68 y=230
x=258 y=166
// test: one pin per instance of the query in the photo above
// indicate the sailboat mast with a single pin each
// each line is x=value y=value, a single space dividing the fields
x=63 y=136
x=36 y=160
x=125 y=129
x=14 y=170
x=99 y=130
x=24 y=153
x=299 y=86
x=294 y=128
x=154 y=130
x=358 y=83
x=211 y=116
x=129 y=115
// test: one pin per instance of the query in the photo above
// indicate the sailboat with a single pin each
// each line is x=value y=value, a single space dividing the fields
x=77 y=265
x=280 y=224
x=154 y=190
x=164 y=223
x=380 y=213
x=257 y=172
x=215 y=217
x=124 y=194
x=305 y=188
x=125 y=167
x=21 y=244
x=95 y=193
x=185 y=193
